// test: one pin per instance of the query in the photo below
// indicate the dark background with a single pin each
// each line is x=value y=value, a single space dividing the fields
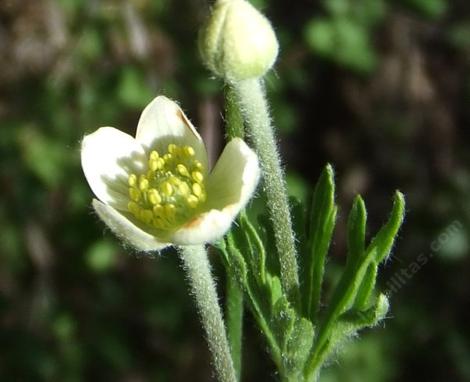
x=381 y=89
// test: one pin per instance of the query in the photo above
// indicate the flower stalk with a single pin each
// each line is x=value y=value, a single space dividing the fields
x=202 y=284
x=234 y=319
x=254 y=107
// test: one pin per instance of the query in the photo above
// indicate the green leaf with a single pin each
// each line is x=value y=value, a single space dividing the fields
x=383 y=241
x=356 y=230
x=347 y=325
x=274 y=289
x=283 y=320
x=367 y=287
x=101 y=256
x=133 y=89
x=295 y=337
x=322 y=221
x=433 y=9
x=257 y=296
x=358 y=280
x=337 y=7
x=257 y=253
x=320 y=36
x=298 y=346
x=236 y=262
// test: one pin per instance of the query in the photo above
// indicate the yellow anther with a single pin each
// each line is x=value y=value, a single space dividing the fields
x=158 y=210
x=192 y=201
x=133 y=207
x=143 y=184
x=181 y=168
x=189 y=151
x=132 y=180
x=160 y=163
x=154 y=197
x=174 y=180
x=153 y=164
x=146 y=216
x=202 y=197
x=172 y=148
x=197 y=176
x=154 y=155
x=167 y=189
x=168 y=192
x=170 y=209
x=134 y=194
x=184 y=188
x=197 y=189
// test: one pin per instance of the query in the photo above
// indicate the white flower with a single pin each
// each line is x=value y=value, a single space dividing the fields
x=155 y=190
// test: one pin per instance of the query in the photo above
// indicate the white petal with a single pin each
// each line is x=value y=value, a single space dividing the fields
x=235 y=176
x=230 y=186
x=163 y=122
x=127 y=230
x=205 y=228
x=108 y=156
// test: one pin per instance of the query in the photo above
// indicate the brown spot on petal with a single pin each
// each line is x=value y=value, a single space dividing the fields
x=198 y=219
x=185 y=120
x=194 y=222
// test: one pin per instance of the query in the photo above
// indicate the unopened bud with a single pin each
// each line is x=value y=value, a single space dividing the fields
x=238 y=42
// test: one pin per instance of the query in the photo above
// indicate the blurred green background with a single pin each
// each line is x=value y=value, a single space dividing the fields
x=379 y=88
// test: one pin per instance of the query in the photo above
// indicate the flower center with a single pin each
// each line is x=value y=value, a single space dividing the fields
x=171 y=190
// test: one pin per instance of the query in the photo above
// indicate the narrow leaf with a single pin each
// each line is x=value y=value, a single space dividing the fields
x=367 y=287
x=357 y=230
x=354 y=278
x=322 y=221
x=347 y=325
x=257 y=252
x=383 y=241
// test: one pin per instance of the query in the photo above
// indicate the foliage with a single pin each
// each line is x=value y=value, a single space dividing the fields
x=74 y=306
x=300 y=336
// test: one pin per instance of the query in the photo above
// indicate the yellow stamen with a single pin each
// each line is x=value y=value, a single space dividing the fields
x=182 y=170
x=132 y=180
x=197 y=189
x=167 y=189
x=197 y=176
x=192 y=201
x=172 y=148
x=170 y=191
x=154 y=197
x=189 y=151
x=134 y=194
x=143 y=184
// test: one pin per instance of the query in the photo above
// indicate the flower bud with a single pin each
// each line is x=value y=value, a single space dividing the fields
x=238 y=42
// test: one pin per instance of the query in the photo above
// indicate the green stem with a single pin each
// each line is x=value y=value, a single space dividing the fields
x=234 y=314
x=198 y=270
x=233 y=117
x=254 y=107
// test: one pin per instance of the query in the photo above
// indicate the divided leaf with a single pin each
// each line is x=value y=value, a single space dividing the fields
x=295 y=337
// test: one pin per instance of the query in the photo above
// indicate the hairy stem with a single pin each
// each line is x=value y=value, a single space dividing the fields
x=234 y=309
x=198 y=270
x=233 y=117
x=254 y=107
